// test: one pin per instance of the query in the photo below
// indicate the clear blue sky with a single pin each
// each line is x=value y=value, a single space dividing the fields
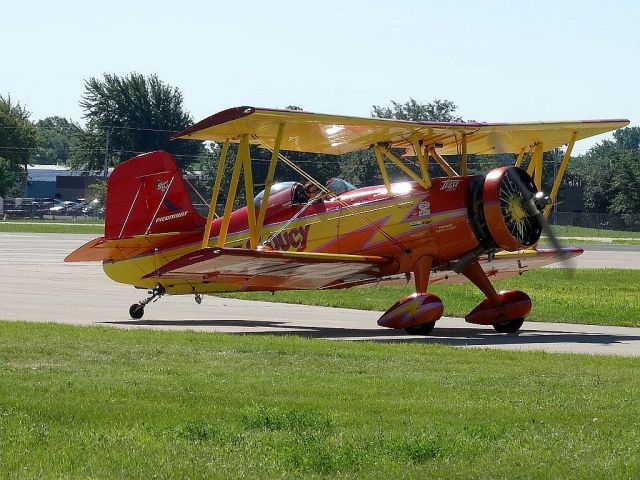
x=497 y=60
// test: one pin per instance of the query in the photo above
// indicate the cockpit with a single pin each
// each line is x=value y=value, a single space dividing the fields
x=299 y=196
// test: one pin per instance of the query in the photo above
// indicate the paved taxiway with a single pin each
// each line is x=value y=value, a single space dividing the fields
x=35 y=285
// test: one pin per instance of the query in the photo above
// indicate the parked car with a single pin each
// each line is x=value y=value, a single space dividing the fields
x=67 y=207
x=94 y=208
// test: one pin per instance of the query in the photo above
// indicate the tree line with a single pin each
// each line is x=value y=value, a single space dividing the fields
x=132 y=114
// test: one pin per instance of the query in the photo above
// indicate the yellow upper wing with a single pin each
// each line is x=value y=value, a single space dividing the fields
x=337 y=134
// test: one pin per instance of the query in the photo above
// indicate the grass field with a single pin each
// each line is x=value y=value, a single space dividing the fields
x=53 y=226
x=571 y=231
x=595 y=296
x=106 y=403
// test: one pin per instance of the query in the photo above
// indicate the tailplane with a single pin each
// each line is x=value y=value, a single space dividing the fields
x=147 y=195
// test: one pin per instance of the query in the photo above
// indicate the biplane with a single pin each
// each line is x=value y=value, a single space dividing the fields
x=454 y=228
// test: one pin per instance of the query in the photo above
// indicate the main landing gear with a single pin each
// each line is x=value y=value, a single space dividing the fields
x=418 y=313
x=137 y=309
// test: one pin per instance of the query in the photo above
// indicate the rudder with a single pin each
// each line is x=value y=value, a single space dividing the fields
x=146 y=195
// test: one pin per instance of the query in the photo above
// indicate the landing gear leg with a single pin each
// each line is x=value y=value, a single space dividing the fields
x=505 y=311
x=136 y=311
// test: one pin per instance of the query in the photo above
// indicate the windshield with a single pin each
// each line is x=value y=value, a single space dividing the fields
x=338 y=186
x=275 y=188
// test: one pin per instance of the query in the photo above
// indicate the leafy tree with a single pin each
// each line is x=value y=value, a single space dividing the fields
x=609 y=174
x=127 y=116
x=99 y=190
x=7 y=177
x=17 y=142
x=436 y=111
x=54 y=140
x=624 y=191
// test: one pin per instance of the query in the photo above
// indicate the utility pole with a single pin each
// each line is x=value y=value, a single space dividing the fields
x=106 y=156
x=556 y=154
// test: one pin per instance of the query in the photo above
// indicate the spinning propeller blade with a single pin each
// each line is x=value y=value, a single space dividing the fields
x=534 y=204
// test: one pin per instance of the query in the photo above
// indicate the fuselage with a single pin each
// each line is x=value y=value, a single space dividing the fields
x=404 y=224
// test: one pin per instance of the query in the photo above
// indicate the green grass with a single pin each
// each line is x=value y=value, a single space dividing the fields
x=50 y=226
x=576 y=241
x=571 y=231
x=79 y=220
x=595 y=296
x=106 y=403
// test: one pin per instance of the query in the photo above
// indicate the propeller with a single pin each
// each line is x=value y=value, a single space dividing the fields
x=534 y=204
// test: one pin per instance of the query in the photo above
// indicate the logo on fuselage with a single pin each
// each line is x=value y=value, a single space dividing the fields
x=449 y=185
x=163 y=186
x=295 y=238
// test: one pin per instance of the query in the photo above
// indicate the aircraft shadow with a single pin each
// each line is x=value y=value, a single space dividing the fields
x=463 y=336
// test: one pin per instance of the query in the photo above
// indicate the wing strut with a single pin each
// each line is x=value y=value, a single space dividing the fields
x=441 y=161
x=463 y=156
x=269 y=181
x=215 y=193
x=558 y=180
x=383 y=168
x=426 y=183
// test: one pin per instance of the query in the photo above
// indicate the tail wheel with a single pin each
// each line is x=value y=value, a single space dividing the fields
x=511 y=326
x=136 y=311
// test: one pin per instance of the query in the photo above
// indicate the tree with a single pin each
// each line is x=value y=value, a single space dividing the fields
x=436 y=111
x=625 y=194
x=609 y=174
x=7 y=177
x=127 y=116
x=17 y=143
x=54 y=140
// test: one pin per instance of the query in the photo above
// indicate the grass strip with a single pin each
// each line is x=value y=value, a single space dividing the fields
x=106 y=403
x=593 y=296
x=51 y=227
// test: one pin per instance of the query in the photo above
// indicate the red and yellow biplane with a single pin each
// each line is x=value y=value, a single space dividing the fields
x=327 y=236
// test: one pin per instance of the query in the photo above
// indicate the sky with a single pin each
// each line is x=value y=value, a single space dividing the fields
x=498 y=61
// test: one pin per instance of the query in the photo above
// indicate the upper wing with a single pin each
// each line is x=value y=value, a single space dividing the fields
x=507 y=264
x=336 y=134
x=272 y=270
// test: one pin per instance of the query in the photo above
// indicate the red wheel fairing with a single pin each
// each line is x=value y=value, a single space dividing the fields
x=413 y=310
x=513 y=304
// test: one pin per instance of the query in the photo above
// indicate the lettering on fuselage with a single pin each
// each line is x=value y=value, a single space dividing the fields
x=293 y=239
x=171 y=217
x=163 y=186
x=449 y=185
x=424 y=209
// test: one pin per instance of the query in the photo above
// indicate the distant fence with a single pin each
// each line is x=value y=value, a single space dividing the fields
x=41 y=208
x=600 y=221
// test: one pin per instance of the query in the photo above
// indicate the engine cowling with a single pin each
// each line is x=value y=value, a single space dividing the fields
x=499 y=210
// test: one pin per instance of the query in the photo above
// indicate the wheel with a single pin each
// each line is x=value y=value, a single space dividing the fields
x=424 y=329
x=136 y=311
x=512 y=326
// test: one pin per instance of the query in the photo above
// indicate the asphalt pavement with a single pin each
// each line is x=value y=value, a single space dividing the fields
x=35 y=285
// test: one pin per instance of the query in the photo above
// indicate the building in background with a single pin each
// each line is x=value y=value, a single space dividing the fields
x=56 y=181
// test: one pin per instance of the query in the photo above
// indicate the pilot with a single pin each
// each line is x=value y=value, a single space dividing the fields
x=311 y=189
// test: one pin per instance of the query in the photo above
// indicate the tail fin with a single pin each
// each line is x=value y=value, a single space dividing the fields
x=147 y=195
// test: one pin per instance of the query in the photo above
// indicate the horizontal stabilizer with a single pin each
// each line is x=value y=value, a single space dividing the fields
x=272 y=270
x=102 y=249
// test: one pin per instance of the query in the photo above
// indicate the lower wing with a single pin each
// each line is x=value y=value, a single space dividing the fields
x=273 y=270
x=504 y=265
